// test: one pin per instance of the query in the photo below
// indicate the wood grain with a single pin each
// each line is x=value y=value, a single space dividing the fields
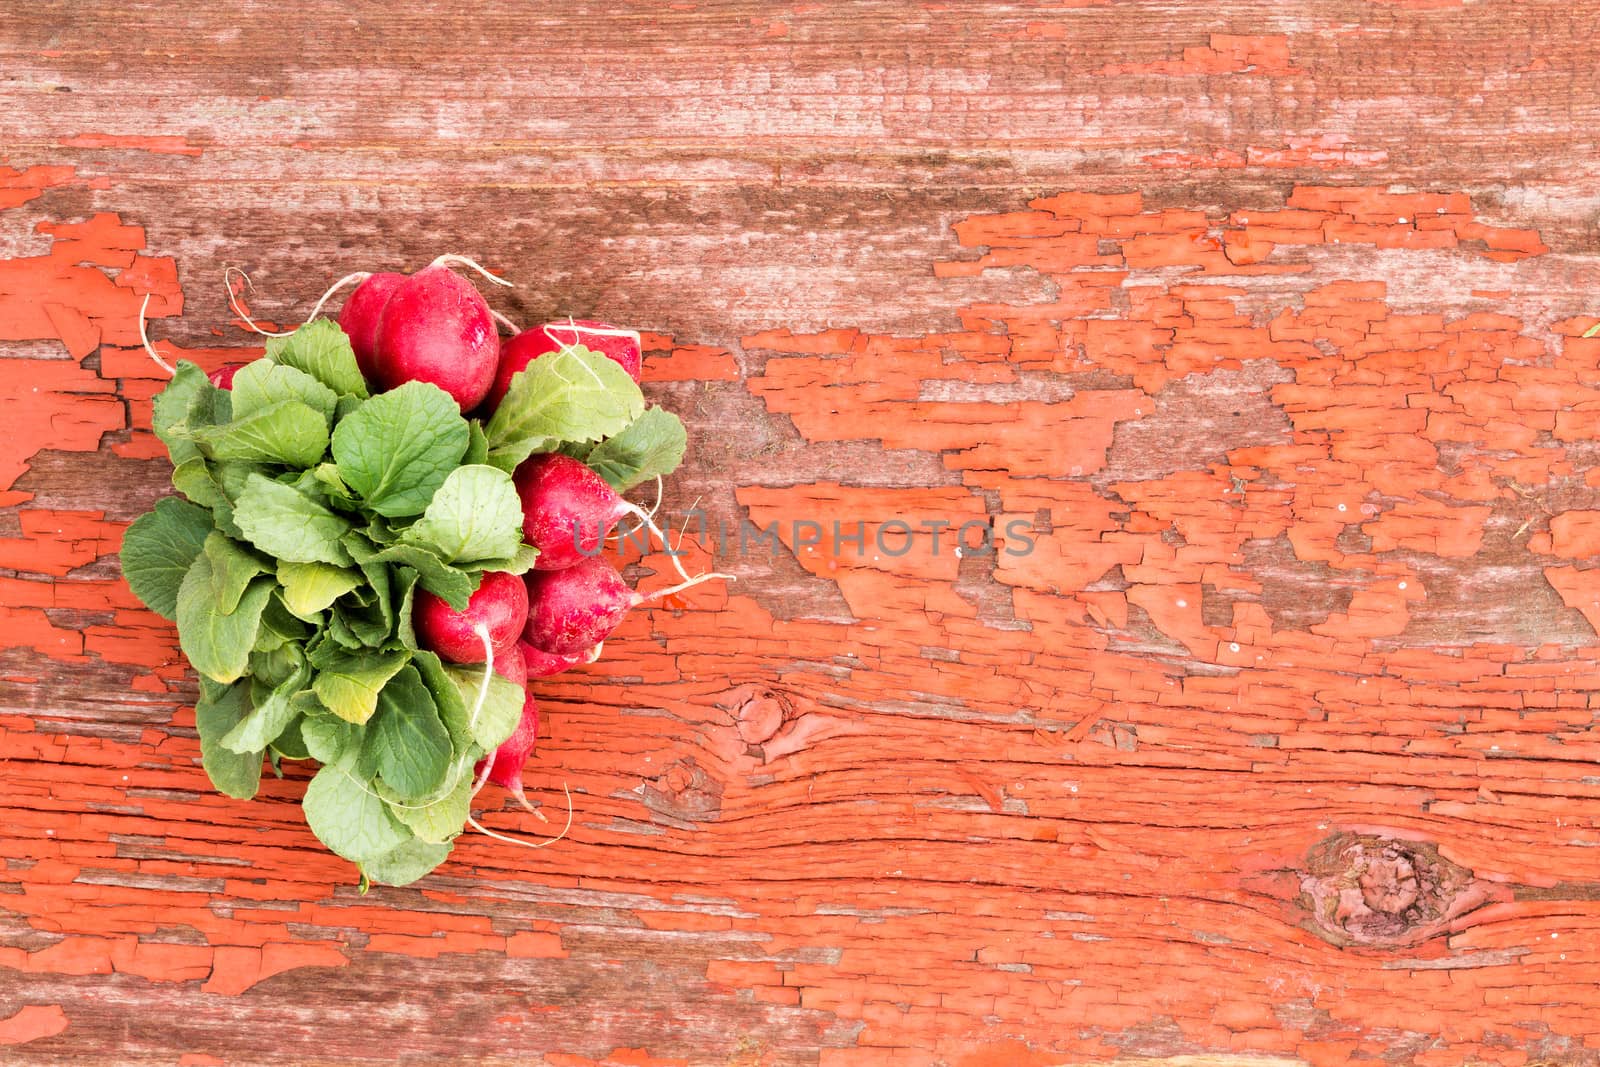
x=1276 y=748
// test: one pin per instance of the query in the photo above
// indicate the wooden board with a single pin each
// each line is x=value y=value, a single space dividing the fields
x=1261 y=320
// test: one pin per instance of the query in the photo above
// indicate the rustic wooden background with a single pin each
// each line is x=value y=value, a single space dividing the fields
x=1279 y=745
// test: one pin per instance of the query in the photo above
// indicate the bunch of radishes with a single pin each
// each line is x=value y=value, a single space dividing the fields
x=372 y=503
x=434 y=326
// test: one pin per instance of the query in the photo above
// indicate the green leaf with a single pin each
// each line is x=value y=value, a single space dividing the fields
x=329 y=739
x=323 y=351
x=405 y=741
x=370 y=624
x=287 y=524
x=653 y=444
x=396 y=449
x=193 y=479
x=273 y=667
x=406 y=863
x=452 y=710
x=291 y=744
x=309 y=588
x=521 y=563
x=348 y=683
x=273 y=712
x=158 y=549
x=232 y=570
x=441 y=819
x=287 y=432
x=218 y=643
x=451 y=584
x=476 y=514
x=264 y=383
x=218 y=711
x=278 y=627
x=571 y=395
x=336 y=490
x=477 y=445
x=406 y=588
x=502 y=706
x=348 y=817
x=188 y=402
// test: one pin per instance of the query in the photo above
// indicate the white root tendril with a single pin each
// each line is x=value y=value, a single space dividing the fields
x=617 y=535
x=482 y=829
x=233 y=298
x=645 y=520
x=238 y=309
x=358 y=276
x=578 y=332
x=451 y=257
x=144 y=339
x=483 y=694
x=683 y=531
x=681 y=586
x=507 y=323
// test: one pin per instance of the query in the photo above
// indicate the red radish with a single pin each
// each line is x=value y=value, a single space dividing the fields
x=567 y=510
x=222 y=377
x=500 y=605
x=511 y=664
x=437 y=328
x=576 y=608
x=359 y=318
x=514 y=752
x=621 y=346
x=543 y=664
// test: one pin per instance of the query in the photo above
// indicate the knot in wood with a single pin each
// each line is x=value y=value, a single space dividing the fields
x=1368 y=889
x=684 y=793
x=761 y=717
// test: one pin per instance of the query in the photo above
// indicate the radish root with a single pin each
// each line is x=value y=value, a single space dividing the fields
x=507 y=323
x=238 y=309
x=645 y=520
x=618 y=535
x=681 y=586
x=451 y=257
x=482 y=829
x=144 y=339
x=684 y=531
x=358 y=276
x=577 y=332
x=483 y=694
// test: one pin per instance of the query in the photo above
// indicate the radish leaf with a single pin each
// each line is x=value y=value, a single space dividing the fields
x=396 y=449
x=406 y=863
x=349 y=818
x=652 y=444
x=571 y=395
x=475 y=515
x=218 y=643
x=285 y=523
x=348 y=684
x=159 y=548
x=406 y=741
x=262 y=383
x=219 y=710
x=287 y=432
x=323 y=351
